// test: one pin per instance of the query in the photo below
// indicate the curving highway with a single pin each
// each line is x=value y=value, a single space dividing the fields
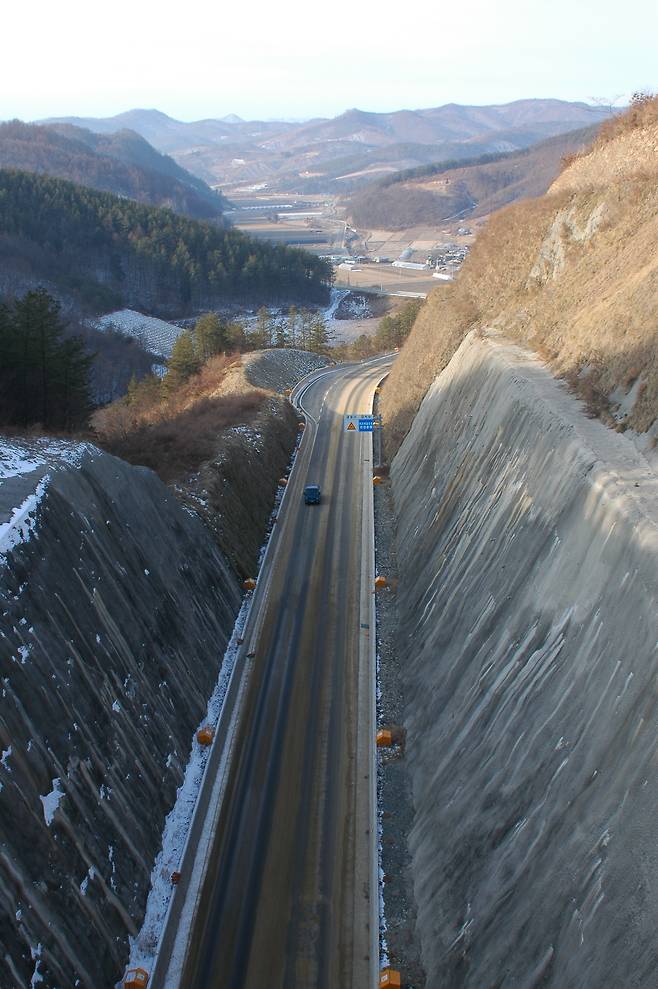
x=287 y=898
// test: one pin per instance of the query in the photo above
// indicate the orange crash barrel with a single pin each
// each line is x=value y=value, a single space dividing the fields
x=283 y=481
x=376 y=480
x=249 y=584
x=135 y=978
x=205 y=735
x=380 y=582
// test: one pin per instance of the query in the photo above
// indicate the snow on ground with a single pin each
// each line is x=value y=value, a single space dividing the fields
x=51 y=801
x=177 y=824
x=25 y=466
x=337 y=296
x=21 y=456
x=156 y=335
x=37 y=977
x=347 y=330
x=22 y=520
x=355 y=306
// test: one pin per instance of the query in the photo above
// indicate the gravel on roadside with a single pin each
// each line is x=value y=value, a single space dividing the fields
x=400 y=946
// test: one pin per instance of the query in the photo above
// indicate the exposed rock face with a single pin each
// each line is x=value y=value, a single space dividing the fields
x=568 y=228
x=527 y=546
x=114 y=618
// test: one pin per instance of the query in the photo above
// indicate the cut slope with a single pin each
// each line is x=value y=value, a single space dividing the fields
x=527 y=539
x=115 y=615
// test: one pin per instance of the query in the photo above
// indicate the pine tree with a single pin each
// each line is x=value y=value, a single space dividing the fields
x=305 y=324
x=43 y=377
x=319 y=335
x=280 y=335
x=210 y=337
x=261 y=335
x=292 y=326
x=72 y=384
x=8 y=365
x=236 y=336
x=183 y=362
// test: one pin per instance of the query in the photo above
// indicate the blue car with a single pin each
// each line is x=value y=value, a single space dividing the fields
x=312 y=494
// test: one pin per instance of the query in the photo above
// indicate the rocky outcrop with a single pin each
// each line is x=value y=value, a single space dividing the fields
x=114 y=619
x=527 y=540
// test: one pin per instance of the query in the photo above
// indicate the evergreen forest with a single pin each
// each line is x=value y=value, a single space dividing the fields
x=107 y=251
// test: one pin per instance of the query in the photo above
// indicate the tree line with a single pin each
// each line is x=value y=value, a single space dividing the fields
x=199 y=361
x=147 y=254
x=44 y=374
x=212 y=336
x=392 y=331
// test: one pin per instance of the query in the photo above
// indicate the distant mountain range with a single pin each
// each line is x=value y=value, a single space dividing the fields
x=343 y=153
x=167 y=134
x=121 y=162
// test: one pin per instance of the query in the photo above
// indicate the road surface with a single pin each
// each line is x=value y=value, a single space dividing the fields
x=287 y=899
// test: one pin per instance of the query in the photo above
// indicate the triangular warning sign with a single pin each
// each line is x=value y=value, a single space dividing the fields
x=351 y=425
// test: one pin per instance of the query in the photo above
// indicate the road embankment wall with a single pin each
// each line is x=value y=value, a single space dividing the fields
x=527 y=541
x=114 y=617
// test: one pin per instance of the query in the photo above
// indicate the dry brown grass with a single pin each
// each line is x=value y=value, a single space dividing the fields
x=573 y=275
x=176 y=447
x=174 y=432
x=643 y=112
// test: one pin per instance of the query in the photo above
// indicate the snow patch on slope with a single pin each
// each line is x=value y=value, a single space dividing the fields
x=156 y=335
x=24 y=476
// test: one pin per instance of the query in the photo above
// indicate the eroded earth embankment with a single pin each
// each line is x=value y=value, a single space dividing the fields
x=527 y=542
x=115 y=615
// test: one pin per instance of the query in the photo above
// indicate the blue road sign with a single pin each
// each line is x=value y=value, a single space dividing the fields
x=357 y=423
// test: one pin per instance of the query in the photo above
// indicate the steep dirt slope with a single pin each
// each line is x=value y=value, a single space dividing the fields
x=527 y=541
x=573 y=275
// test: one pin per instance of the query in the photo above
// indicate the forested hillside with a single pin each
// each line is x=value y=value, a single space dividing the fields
x=122 y=163
x=432 y=193
x=102 y=251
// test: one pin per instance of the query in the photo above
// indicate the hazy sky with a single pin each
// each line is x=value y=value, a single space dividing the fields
x=288 y=58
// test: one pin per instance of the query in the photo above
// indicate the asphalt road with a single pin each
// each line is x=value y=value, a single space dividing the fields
x=287 y=898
